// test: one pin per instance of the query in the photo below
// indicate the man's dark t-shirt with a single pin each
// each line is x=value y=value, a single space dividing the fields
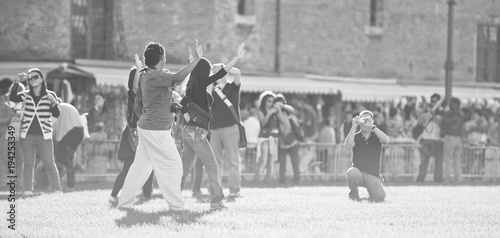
x=221 y=114
x=366 y=154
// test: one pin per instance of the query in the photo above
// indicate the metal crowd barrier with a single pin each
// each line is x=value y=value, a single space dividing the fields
x=318 y=160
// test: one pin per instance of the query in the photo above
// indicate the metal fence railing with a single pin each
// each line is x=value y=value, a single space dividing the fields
x=318 y=160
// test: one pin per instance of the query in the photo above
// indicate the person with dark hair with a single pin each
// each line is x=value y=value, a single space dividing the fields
x=346 y=124
x=129 y=139
x=36 y=127
x=366 y=146
x=6 y=114
x=431 y=141
x=156 y=149
x=454 y=130
x=290 y=136
x=225 y=137
x=197 y=108
x=15 y=122
x=68 y=134
x=266 y=144
x=100 y=112
x=394 y=124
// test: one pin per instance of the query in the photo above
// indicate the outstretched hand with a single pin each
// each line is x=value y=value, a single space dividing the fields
x=199 y=50
x=138 y=62
x=190 y=55
x=241 y=51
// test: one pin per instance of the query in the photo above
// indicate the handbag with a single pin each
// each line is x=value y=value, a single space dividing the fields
x=133 y=138
x=198 y=115
x=243 y=136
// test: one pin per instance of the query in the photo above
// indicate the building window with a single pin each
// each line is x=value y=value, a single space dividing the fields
x=375 y=24
x=373 y=12
x=245 y=12
x=376 y=13
x=245 y=7
x=488 y=53
x=92 y=29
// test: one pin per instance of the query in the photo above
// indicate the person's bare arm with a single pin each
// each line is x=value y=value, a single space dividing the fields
x=263 y=119
x=138 y=65
x=241 y=53
x=186 y=70
x=384 y=139
x=349 y=140
x=288 y=108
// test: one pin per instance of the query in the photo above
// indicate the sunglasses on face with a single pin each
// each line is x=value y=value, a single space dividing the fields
x=36 y=76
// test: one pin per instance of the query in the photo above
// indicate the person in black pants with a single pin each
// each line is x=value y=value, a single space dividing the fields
x=290 y=136
x=68 y=130
x=126 y=150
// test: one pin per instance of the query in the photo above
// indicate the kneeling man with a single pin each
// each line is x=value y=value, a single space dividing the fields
x=366 y=146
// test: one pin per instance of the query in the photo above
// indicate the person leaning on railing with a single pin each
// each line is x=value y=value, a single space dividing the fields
x=366 y=145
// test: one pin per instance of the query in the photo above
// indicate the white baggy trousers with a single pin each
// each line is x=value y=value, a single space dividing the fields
x=156 y=151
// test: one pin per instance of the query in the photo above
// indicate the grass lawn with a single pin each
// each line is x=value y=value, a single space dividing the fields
x=319 y=211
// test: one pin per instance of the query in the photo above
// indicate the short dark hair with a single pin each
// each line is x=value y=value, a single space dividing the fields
x=455 y=100
x=153 y=53
x=5 y=84
x=437 y=96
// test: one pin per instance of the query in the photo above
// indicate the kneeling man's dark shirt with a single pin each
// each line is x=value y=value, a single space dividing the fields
x=366 y=154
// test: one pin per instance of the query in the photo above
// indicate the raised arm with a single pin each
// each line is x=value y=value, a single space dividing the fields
x=186 y=70
x=384 y=139
x=241 y=53
x=138 y=65
x=263 y=119
x=349 y=140
x=17 y=89
x=288 y=108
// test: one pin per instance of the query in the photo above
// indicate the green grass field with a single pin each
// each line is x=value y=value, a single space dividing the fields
x=320 y=211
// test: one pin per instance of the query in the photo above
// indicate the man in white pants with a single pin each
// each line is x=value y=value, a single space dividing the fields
x=156 y=149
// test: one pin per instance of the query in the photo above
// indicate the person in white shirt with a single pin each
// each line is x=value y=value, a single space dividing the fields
x=431 y=142
x=252 y=128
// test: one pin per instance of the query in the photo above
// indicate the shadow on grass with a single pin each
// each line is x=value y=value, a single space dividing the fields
x=135 y=217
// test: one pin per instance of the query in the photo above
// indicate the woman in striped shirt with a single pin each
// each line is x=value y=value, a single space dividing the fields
x=36 y=127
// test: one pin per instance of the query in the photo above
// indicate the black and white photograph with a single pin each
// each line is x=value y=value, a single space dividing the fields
x=249 y=118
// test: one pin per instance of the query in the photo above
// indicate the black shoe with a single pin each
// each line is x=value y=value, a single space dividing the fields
x=354 y=197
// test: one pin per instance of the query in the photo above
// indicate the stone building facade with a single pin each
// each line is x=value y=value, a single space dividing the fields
x=400 y=39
